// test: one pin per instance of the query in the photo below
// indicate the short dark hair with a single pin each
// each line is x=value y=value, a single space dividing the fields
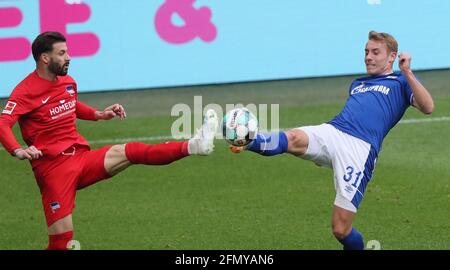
x=44 y=43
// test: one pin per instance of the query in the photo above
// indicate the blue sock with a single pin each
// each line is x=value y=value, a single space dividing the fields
x=270 y=144
x=353 y=241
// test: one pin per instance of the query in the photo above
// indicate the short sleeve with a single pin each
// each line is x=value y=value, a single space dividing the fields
x=407 y=91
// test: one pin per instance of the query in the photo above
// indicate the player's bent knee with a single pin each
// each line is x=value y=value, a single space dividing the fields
x=116 y=155
x=61 y=225
x=116 y=159
x=297 y=141
x=340 y=231
x=117 y=151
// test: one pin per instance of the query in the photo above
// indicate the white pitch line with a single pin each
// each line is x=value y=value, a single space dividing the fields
x=163 y=138
x=124 y=140
x=425 y=120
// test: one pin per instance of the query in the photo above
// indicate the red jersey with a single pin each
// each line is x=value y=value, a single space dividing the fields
x=47 y=112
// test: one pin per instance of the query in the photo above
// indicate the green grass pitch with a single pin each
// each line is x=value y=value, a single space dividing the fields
x=245 y=201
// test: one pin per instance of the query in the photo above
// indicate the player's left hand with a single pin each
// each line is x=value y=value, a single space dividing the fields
x=404 y=62
x=29 y=153
x=112 y=111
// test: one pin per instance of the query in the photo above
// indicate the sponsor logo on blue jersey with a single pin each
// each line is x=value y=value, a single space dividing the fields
x=375 y=88
x=370 y=116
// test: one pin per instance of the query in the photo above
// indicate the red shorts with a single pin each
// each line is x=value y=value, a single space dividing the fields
x=59 y=179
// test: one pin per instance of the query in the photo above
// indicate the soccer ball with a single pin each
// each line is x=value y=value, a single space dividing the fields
x=240 y=127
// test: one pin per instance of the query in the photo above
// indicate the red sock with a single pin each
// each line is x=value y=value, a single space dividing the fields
x=155 y=154
x=59 y=241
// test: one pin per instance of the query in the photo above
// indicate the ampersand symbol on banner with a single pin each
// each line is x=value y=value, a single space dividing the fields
x=197 y=22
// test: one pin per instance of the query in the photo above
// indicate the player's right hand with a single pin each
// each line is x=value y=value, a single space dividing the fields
x=404 y=62
x=236 y=149
x=29 y=153
x=112 y=111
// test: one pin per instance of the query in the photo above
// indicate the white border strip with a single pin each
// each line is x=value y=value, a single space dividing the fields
x=425 y=120
x=164 y=138
x=135 y=139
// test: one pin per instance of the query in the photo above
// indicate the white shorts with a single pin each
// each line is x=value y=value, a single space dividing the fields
x=352 y=160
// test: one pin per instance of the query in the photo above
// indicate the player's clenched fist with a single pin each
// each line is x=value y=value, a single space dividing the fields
x=404 y=61
x=111 y=111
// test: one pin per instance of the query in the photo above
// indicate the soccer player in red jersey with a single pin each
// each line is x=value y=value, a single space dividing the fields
x=45 y=104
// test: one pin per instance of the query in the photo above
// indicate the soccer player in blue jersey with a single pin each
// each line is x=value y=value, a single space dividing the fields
x=351 y=141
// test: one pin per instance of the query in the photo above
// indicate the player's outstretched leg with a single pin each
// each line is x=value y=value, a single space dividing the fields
x=270 y=144
x=119 y=157
x=293 y=141
x=203 y=141
x=201 y=144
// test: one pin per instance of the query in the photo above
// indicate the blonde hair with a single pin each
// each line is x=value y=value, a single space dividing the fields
x=387 y=39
